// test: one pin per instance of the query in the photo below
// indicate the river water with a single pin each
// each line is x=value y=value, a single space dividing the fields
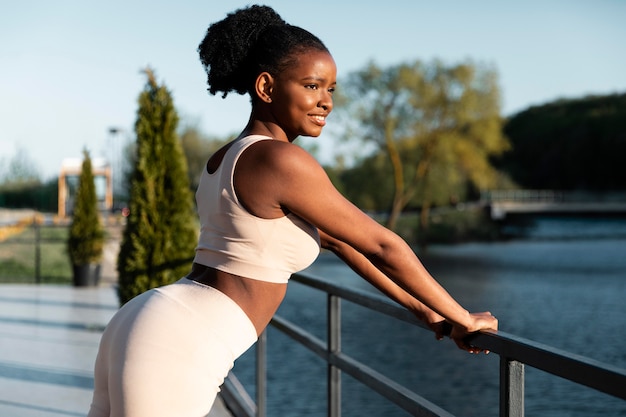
x=562 y=284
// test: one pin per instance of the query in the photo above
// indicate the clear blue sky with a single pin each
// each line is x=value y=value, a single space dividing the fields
x=70 y=69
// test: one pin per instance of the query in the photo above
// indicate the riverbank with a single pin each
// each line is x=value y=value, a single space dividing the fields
x=450 y=225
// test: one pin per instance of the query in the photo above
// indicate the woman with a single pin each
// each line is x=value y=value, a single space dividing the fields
x=266 y=207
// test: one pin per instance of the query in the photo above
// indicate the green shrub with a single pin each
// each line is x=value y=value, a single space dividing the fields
x=86 y=236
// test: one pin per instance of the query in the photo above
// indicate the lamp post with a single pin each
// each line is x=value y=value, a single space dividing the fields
x=115 y=162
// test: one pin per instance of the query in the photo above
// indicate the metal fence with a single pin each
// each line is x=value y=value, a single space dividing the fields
x=35 y=253
x=515 y=354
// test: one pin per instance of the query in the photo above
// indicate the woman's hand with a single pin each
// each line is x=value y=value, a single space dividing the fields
x=479 y=321
x=441 y=329
x=435 y=322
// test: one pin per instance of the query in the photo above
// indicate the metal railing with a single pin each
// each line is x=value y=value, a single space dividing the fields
x=32 y=251
x=523 y=196
x=515 y=353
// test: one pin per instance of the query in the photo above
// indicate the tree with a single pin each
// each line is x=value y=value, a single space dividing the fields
x=374 y=194
x=437 y=124
x=197 y=149
x=86 y=236
x=160 y=236
x=20 y=170
x=574 y=144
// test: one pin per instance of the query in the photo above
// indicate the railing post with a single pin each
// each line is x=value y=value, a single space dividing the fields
x=511 y=388
x=37 y=251
x=261 y=375
x=334 y=346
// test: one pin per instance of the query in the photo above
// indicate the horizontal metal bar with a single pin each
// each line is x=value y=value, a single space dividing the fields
x=585 y=371
x=398 y=394
x=582 y=370
x=369 y=300
x=301 y=336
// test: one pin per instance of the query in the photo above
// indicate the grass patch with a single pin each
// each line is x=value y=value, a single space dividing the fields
x=18 y=256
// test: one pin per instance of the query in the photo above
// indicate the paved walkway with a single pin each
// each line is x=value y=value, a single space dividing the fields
x=48 y=342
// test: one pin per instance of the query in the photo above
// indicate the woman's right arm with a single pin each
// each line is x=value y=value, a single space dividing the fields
x=365 y=269
x=299 y=184
x=374 y=276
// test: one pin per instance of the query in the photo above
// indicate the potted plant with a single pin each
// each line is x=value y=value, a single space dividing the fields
x=86 y=236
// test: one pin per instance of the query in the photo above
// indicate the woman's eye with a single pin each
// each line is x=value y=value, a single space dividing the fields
x=312 y=86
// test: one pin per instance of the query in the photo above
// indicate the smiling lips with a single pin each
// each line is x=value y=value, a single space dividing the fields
x=319 y=119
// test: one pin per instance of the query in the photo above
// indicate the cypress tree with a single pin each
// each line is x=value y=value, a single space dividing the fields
x=160 y=235
x=86 y=235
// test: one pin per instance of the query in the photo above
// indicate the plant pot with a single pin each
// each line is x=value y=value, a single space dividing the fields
x=86 y=275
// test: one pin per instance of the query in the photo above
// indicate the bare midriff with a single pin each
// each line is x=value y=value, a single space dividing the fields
x=258 y=299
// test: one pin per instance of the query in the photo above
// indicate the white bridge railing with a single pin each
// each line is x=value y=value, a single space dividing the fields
x=503 y=202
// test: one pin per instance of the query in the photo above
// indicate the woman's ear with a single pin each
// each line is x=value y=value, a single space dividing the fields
x=263 y=87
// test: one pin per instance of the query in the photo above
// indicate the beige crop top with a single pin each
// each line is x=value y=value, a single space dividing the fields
x=235 y=241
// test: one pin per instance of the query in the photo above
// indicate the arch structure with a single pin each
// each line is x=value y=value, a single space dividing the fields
x=68 y=184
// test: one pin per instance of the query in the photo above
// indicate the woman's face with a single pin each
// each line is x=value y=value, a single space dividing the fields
x=302 y=96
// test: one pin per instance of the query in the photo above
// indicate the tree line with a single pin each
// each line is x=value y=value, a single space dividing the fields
x=576 y=144
x=436 y=137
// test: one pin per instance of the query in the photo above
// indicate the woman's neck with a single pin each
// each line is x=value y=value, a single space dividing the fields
x=266 y=127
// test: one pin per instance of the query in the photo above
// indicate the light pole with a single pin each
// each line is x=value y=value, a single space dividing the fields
x=115 y=162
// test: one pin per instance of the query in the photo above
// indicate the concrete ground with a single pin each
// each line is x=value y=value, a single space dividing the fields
x=49 y=337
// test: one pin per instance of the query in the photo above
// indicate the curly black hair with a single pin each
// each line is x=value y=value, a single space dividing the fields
x=247 y=42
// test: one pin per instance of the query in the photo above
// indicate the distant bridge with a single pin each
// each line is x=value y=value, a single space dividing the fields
x=503 y=202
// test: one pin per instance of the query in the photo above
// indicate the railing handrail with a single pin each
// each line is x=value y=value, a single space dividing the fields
x=514 y=352
x=609 y=379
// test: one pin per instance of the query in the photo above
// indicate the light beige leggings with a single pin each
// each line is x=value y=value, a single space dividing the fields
x=167 y=351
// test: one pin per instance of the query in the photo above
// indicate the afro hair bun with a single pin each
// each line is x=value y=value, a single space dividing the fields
x=226 y=48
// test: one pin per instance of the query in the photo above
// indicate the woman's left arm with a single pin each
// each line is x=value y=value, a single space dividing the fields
x=364 y=268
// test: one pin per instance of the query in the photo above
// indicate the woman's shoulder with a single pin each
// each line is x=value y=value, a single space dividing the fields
x=277 y=160
x=238 y=145
x=284 y=155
